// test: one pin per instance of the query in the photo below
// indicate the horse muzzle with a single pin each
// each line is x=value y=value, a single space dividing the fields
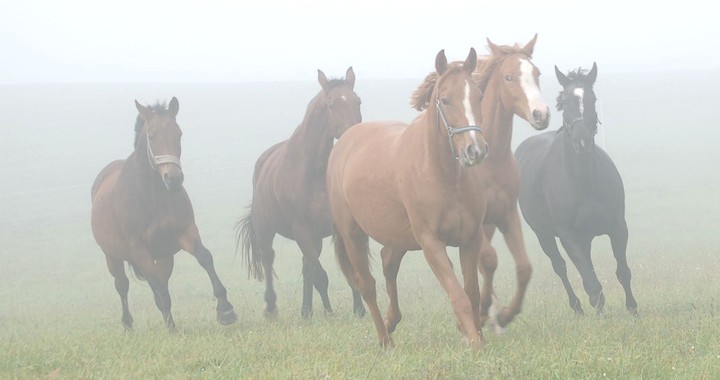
x=173 y=179
x=540 y=119
x=473 y=155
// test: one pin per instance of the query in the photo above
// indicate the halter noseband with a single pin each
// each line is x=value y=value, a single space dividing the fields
x=161 y=158
x=452 y=130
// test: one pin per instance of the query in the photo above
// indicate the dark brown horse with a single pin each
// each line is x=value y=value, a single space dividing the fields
x=509 y=81
x=411 y=187
x=572 y=190
x=289 y=194
x=141 y=214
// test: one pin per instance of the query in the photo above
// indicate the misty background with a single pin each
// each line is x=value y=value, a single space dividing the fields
x=244 y=73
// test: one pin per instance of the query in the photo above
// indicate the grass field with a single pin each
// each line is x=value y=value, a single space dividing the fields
x=60 y=314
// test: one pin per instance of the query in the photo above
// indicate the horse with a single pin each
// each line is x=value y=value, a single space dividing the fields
x=141 y=214
x=572 y=190
x=410 y=187
x=509 y=82
x=290 y=198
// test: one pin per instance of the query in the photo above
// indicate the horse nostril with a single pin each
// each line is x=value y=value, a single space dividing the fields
x=537 y=115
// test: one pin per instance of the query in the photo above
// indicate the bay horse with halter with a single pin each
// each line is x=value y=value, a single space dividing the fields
x=572 y=190
x=289 y=194
x=410 y=187
x=141 y=214
x=509 y=82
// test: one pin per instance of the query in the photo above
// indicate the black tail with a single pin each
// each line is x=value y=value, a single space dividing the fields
x=342 y=258
x=251 y=254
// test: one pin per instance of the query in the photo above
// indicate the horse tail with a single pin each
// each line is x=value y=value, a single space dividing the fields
x=342 y=258
x=247 y=242
x=136 y=270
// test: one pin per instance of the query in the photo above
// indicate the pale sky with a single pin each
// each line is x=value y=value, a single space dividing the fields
x=269 y=40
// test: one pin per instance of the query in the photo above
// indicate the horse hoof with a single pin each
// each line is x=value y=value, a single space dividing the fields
x=306 y=313
x=270 y=315
x=359 y=311
x=227 y=318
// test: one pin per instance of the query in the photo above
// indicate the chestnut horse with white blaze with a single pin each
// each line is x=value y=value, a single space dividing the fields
x=410 y=187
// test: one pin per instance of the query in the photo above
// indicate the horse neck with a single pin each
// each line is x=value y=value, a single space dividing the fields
x=145 y=179
x=310 y=144
x=497 y=127
x=579 y=167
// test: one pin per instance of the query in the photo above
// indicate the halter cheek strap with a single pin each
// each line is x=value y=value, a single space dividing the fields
x=452 y=130
x=161 y=158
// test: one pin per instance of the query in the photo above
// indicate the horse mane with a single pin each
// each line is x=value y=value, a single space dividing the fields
x=335 y=82
x=577 y=75
x=420 y=98
x=158 y=108
x=485 y=66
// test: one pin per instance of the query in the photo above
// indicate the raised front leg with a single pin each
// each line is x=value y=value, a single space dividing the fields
x=618 y=240
x=578 y=249
x=391 y=265
x=225 y=312
x=549 y=246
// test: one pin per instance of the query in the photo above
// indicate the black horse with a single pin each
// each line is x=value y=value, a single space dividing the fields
x=572 y=190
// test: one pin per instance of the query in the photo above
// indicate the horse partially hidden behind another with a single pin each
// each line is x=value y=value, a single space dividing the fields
x=289 y=194
x=509 y=82
x=572 y=190
x=141 y=214
x=410 y=187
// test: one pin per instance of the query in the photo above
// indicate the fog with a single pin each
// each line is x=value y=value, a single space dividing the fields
x=279 y=40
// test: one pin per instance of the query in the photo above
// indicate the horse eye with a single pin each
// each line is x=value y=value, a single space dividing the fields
x=508 y=78
x=445 y=101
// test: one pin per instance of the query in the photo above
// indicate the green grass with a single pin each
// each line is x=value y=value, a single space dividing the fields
x=60 y=314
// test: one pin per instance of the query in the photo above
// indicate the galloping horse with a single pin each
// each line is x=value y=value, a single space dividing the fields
x=289 y=194
x=572 y=190
x=141 y=214
x=509 y=82
x=410 y=187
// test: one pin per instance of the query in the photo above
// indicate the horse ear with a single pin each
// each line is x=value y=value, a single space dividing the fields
x=592 y=75
x=562 y=78
x=471 y=61
x=144 y=111
x=440 y=62
x=322 y=79
x=174 y=106
x=494 y=49
x=530 y=46
x=350 y=77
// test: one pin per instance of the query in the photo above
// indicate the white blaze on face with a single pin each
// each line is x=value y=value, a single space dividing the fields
x=532 y=91
x=579 y=92
x=468 y=112
x=343 y=98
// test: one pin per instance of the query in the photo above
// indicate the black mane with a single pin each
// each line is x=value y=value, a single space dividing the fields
x=158 y=108
x=578 y=78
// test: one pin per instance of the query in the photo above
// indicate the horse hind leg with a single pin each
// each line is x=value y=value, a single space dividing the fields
x=157 y=272
x=313 y=272
x=512 y=232
x=487 y=264
x=122 y=285
x=549 y=246
x=618 y=241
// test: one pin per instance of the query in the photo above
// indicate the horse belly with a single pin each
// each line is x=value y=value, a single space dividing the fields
x=103 y=221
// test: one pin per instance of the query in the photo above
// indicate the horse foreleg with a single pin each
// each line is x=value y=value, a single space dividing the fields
x=512 y=232
x=122 y=285
x=578 y=249
x=618 y=240
x=191 y=243
x=549 y=246
x=391 y=265
x=312 y=270
x=468 y=263
x=157 y=272
x=436 y=256
x=487 y=264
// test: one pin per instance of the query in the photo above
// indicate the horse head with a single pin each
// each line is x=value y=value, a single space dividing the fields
x=577 y=103
x=162 y=141
x=343 y=104
x=515 y=78
x=455 y=100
